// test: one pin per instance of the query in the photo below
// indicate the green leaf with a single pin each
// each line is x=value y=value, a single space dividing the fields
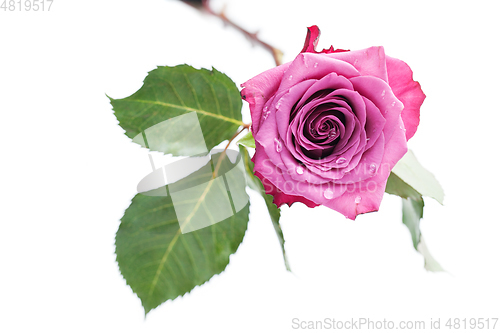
x=247 y=140
x=170 y=92
x=255 y=184
x=398 y=187
x=430 y=263
x=160 y=256
x=413 y=211
x=409 y=171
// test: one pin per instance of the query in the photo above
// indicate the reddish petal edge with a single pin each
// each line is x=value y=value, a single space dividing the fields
x=312 y=39
x=407 y=91
x=280 y=198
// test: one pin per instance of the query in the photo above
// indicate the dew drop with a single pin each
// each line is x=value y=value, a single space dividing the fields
x=278 y=145
x=355 y=61
x=340 y=160
x=393 y=103
x=332 y=133
x=266 y=112
x=328 y=194
x=367 y=139
x=305 y=62
x=383 y=93
x=315 y=65
x=357 y=200
x=278 y=105
x=299 y=170
x=373 y=168
x=290 y=77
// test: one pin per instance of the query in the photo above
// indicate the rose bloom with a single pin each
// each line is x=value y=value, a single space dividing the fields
x=330 y=126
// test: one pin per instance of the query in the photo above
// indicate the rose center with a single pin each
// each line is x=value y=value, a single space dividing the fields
x=323 y=128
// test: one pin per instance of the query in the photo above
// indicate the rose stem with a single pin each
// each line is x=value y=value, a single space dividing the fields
x=276 y=53
x=221 y=157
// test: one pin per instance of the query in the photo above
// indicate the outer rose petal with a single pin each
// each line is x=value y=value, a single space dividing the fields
x=311 y=42
x=259 y=89
x=407 y=91
x=381 y=95
x=261 y=168
x=280 y=198
x=370 y=61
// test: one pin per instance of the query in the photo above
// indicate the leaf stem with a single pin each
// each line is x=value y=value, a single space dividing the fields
x=223 y=154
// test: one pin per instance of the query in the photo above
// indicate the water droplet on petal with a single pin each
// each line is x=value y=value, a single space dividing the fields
x=277 y=144
x=355 y=61
x=357 y=200
x=266 y=112
x=373 y=168
x=328 y=194
x=305 y=62
x=290 y=77
x=278 y=105
x=393 y=103
x=315 y=65
x=383 y=93
x=300 y=170
x=332 y=133
x=340 y=160
x=367 y=139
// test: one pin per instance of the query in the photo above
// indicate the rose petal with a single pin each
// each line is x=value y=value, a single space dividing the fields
x=365 y=196
x=375 y=122
x=314 y=192
x=370 y=61
x=276 y=177
x=259 y=89
x=287 y=100
x=280 y=198
x=380 y=93
x=268 y=139
x=407 y=91
x=308 y=66
x=311 y=41
x=368 y=163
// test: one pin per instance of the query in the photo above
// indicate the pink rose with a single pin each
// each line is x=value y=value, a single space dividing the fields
x=330 y=126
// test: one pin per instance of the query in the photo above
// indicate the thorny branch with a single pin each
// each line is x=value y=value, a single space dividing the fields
x=205 y=6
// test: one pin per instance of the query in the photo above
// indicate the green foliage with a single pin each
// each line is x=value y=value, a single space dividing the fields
x=410 y=181
x=413 y=211
x=255 y=184
x=169 y=92
x=247 y=140
x=157 y=259
x=169 y=239
x=398 y=187
x=409 y=170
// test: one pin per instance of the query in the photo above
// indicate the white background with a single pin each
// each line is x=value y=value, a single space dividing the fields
x=68 y=172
